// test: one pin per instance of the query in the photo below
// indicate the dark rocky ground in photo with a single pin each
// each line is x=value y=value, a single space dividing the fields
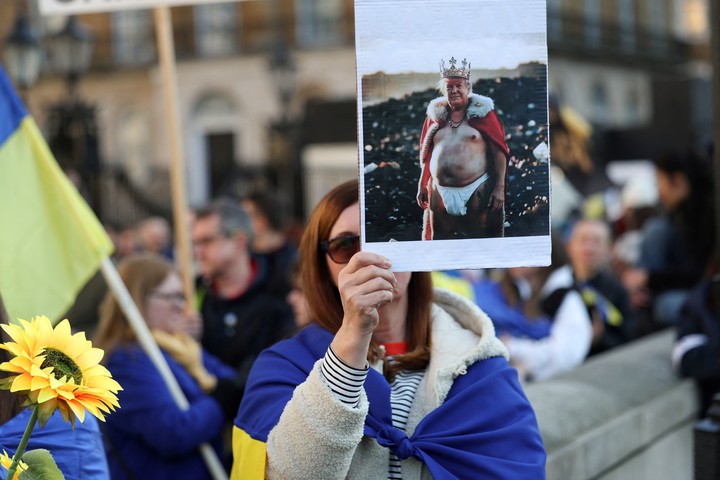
x=391 y=136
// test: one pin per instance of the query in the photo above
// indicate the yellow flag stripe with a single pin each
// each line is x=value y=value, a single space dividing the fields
x=249 y=457
x=51 y=243
x=454 y=284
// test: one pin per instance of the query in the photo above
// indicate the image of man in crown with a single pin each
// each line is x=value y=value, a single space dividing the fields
x=463 y=160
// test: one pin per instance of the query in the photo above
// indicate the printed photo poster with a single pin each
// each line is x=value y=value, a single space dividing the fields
x=453 y=132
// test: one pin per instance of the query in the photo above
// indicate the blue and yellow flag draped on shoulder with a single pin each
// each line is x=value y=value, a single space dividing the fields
x=51 y=243
x=484 y=429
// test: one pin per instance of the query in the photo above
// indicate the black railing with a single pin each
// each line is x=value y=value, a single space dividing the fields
x=124 y=204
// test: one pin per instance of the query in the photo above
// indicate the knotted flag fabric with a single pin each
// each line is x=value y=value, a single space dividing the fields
x=484 y=429
x=51 y=243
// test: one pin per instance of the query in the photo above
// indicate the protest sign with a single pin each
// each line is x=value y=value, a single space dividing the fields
x=461 y=180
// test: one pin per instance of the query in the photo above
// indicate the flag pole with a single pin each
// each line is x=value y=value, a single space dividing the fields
x=147 y=342
x=166 y=54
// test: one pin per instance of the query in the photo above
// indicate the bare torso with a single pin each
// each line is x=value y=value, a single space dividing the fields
x=459 y=156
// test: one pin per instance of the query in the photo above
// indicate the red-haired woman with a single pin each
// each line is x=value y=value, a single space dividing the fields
x=390 y=380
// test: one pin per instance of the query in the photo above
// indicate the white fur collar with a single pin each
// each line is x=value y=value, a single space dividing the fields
x=478 y=107
x=462 y=335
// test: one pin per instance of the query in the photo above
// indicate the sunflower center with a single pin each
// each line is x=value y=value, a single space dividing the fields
x=63 y=366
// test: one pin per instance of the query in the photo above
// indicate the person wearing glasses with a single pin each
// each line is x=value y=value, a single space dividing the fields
x=240 y=316
x=150 y=436
x=390 y=380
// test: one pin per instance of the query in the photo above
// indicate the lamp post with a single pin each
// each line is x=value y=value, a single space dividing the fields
x=22 y=54
x=72 y=125
x=70 y=51
x=284 y=73
x=285 y=141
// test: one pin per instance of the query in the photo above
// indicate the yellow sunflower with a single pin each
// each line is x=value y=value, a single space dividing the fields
x=58 y=370
x=6 y=461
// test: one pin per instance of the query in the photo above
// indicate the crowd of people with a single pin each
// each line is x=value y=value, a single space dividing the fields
x=317 y=357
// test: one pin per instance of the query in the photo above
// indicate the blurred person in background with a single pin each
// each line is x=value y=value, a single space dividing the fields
x=540 y=316
x=128 y=242
x=588 y=250
x=579 y=181
x=676 y=246
x=240 y=318
x=696 y=353
x=639 y=202
x=150 y=436
x=155 y=236
x=78 y=452
x=270 y=242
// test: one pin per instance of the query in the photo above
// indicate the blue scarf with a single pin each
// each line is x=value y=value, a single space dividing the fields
x=486 y=427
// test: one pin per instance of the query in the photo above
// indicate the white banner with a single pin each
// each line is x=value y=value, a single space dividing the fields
x=70 y=7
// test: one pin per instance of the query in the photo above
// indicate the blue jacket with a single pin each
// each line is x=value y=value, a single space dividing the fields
x=149 y=435
x=78 y=452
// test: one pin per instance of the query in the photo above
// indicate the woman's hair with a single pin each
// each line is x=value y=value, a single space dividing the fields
x=697 y=168
x=9 y=402
x=322 y=295
x=141 y=273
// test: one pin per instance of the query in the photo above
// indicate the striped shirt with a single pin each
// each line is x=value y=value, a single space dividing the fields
x=346 y=383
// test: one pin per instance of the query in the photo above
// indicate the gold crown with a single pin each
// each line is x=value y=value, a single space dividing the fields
x=454 y=71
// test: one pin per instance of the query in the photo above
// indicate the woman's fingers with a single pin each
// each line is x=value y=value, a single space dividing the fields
x=364 y=267
x=365 y=285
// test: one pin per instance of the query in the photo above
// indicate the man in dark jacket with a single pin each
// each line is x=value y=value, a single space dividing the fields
x=240 y=317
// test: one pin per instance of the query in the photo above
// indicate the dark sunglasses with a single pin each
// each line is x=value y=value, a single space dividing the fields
x=341 y=249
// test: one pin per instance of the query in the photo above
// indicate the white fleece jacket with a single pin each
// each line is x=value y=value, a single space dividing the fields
x=319 y=437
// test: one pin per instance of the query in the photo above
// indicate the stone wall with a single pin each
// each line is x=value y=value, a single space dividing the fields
x=622 y=415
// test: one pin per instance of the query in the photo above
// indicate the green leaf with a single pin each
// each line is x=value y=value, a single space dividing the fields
x=41 y=466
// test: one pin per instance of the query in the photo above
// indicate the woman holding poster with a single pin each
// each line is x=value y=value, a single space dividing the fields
x=390 y=380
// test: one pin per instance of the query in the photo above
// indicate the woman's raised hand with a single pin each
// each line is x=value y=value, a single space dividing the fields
x=365 y=285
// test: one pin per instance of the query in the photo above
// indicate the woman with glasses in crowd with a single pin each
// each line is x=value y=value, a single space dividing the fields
x=390 y=380
x=150 y=436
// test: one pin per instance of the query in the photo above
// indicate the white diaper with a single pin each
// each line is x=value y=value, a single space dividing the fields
x=456 y=198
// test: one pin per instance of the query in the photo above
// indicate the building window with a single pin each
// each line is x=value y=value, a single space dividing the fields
x=593 y=34
x=555 y=19
x=215 y=27
x=599 y=98
x=320 y=22
x=132 y=41
x=626 y=19
x=632 y=105
x=212 y=161
x=658 y=25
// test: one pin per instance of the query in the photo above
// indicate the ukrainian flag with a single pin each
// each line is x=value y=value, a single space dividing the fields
x=51 y=243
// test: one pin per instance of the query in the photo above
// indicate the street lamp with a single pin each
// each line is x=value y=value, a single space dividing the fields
x=285 y=141
x=284 y=73
x=22 y=53
x=72 y=124
x=70 y=51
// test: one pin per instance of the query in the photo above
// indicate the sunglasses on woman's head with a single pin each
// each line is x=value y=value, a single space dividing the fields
x=341 y=249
